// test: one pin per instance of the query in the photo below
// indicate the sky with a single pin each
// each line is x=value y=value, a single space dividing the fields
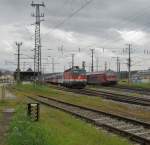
x=105 y=26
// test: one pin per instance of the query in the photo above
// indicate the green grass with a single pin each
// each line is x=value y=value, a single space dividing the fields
x=135 y=85
x=7 y=104
x=24 y=132
x=93 y=102
x=57 y=128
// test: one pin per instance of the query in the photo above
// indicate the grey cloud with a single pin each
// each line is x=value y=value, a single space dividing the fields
x=100 y=19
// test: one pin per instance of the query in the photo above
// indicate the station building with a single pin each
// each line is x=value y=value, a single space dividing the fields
x=26 y=75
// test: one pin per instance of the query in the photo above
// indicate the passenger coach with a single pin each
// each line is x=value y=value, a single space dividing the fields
x=102 y=78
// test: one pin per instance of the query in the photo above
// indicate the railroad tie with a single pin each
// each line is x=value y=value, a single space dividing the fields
x=134 y=130
x=143 y=133
x=148 y=137
x=101 y=119
x=125 y=126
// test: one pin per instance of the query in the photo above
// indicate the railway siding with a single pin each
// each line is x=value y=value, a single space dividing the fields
x=111 y=95
x=137 y=131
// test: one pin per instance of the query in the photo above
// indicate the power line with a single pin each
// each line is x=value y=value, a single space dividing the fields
x=129 y=62
x=117 y=39
x=105 y=66
x=61 y=24
x=53 y=65
x=118 y=65
x=18 y=61
x=71 y=15
x=74 y=13
x=37 y=49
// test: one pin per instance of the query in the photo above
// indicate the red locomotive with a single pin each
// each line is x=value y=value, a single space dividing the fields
x=102 y=78
x=74 y=77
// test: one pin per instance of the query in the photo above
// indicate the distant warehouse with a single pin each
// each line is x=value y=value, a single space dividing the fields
x=141 y=77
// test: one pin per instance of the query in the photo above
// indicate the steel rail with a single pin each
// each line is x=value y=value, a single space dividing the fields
x=109 y=95
x=134 y=130
x=144 y=91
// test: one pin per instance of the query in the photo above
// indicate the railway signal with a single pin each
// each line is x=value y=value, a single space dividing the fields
x=33 y=111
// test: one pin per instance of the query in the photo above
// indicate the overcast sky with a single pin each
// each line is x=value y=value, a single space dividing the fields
x=103 y=25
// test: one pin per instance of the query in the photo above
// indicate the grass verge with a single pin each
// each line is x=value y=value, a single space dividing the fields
x=135 y=85
x=56 y=128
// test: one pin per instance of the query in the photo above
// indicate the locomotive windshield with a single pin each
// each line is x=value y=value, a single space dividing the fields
x=79 y=71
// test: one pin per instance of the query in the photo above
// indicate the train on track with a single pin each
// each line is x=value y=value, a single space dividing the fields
x=102 y=78
x=74 y=77
x=78 y=78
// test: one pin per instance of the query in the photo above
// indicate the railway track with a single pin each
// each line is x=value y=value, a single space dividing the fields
x=111 y=96
x=134 y=130
x=128 y=89
x=120 y=97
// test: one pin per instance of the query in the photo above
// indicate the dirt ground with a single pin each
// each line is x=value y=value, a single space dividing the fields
x=4 y=124
x=6 y=113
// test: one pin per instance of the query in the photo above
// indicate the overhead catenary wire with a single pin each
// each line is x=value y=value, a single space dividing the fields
x=131 y=18
x=88 y=2
x=71 y=15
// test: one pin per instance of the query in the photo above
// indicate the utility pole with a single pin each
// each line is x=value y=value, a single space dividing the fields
x=18 y=61
x=97 y=61
x=119 y=69
x=118 y=66
x=24 y=66
x=129 y=62
x=37 y=49
x=92 y=66
x=64 y=68
x=53 y=65
x=79 y=50
x=83 y=65
x=105 y=65
x=61 y=49
x=72 y=59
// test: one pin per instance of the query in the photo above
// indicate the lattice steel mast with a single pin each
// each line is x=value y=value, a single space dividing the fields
x=37 y=49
